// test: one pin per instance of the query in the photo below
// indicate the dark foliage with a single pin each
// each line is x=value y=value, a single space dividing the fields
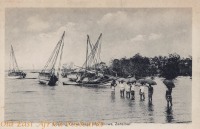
x=168 y=67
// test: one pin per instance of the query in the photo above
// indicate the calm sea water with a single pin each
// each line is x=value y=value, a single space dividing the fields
x=26 y=100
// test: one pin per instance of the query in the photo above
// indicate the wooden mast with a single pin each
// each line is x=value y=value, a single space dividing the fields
x=62 y=42
x=49 y=71
x=87 y=53
x=13 y=60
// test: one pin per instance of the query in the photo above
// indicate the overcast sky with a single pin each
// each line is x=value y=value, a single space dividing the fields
x=151 y=32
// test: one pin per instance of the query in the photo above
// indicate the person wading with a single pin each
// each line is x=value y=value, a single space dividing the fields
x=113 y=85
x=168 y=96
x=142 y=94
x=122 y=88
x=150 y=93
x=127 y=86
x=132 y=87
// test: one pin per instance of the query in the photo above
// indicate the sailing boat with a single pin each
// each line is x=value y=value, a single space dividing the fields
x=48 y=74
x=14 y=71
x=91 y=74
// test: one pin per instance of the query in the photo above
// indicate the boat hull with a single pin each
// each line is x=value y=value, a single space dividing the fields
x=47 y=82
x=87 y=84
x=16 y=75
x=43 y=81
x=47 y=79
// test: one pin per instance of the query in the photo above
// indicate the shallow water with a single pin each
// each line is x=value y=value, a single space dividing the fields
x=26 y=100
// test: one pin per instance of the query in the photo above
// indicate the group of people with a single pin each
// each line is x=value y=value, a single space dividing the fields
x=128 y=88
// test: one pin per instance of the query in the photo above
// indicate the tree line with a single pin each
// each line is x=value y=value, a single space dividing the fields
x=168 y=67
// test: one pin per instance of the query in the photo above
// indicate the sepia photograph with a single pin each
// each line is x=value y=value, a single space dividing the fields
x=113 y=65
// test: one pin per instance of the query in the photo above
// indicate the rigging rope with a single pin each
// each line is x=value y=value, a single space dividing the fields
x=92 y=58
x=49 y=60
x=13 y=60
x=61 y=54
x=53 y=58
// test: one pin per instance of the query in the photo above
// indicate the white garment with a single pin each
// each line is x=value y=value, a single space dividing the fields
x=127 y=87
x=146 y=84
x=113 y=87
x=133 y=87
x=121 y=86
x=142 y=89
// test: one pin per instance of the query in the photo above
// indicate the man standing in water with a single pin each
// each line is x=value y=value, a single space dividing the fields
x=150 y=93
x=142 y=95
x=122 y=88
x=168 y=96
x=127 y=86
x=132 y=90
x=113 y=85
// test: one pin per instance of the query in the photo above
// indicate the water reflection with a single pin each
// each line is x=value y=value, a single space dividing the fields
x=52 y=88
x=112 y=96
x=142 y=106
x=151 y=112
x=131 y=103
x=169 y=114
x=74 y=103
x=150 y=107
x=122 y=97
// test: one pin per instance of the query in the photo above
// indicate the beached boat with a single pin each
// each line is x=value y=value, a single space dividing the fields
x=14 y=71
x=87 y=84
x=49 y=75
x=91 y=72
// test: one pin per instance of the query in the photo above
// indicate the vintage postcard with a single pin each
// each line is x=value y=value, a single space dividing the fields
x=85 y=64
